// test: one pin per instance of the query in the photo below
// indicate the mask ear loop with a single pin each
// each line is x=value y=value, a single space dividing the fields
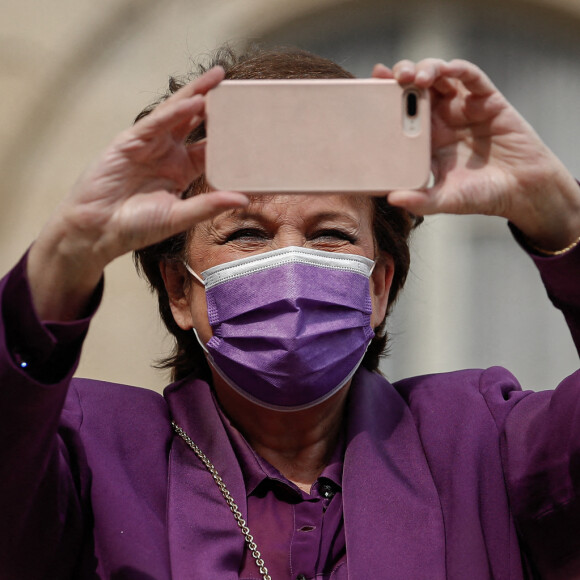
x=200 y=341
x=201 y=281
x=193 y=273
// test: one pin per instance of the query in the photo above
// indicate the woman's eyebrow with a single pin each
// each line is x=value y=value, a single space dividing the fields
x=249 y=215
x=240 y=215
x=335 y=216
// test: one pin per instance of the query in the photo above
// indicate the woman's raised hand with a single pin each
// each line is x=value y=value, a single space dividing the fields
x=130 y=197
x=486 y=158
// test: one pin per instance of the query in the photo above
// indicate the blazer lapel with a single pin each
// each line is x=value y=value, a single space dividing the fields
x=204 y=539
x=393 y=518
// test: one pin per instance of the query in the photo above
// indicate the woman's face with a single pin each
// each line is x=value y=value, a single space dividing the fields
x=334 y=223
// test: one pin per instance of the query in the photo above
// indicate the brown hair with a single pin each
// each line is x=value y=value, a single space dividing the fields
x=391 y=226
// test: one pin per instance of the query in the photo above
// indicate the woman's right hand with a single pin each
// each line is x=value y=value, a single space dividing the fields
x=129 y=198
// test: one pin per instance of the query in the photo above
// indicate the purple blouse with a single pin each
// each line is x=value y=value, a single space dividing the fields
x=298 y=534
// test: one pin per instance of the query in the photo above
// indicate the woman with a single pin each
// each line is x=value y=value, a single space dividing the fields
x=449 y=476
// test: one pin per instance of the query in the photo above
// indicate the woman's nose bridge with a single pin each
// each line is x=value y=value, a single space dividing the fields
x=290 y=235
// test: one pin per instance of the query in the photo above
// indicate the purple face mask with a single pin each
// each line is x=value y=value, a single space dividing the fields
x=291 y=326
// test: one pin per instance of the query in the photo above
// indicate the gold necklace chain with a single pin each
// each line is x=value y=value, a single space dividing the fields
x=249 y=539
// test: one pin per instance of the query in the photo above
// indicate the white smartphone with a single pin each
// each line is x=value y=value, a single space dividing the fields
x=317 y=136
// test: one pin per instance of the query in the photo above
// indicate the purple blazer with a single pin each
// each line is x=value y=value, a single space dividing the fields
x=459 y=475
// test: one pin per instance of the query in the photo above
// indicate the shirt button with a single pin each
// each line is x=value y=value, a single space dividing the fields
x=327 y=491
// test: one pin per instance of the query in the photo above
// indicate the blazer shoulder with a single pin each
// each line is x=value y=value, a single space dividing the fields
x=492 y=387
x=105 y=402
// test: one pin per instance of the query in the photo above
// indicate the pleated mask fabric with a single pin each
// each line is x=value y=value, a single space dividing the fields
x=290 y=326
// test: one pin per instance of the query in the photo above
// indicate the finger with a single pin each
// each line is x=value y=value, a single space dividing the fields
x=177 y=116
x=472 y=77
x=404 y=72
x=428 y=72
x=193 y=210
x=188 y=100
x=423 y=73
x=190 y=122
x=418 y=202
x=439 y=74
x=207 y=81
x=196 y=153
x=199 y=86
x=197 y=119
x=445 y=86
x=380 y=71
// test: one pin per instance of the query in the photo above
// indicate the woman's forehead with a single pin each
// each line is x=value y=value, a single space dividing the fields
x=309 y=206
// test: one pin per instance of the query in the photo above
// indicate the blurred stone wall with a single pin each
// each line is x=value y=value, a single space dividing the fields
x=74 y=73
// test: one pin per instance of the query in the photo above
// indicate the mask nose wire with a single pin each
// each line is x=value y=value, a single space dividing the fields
x=193 y=273
x=202 y=282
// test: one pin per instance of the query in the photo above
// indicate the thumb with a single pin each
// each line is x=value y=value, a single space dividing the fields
x=416 y=201
x=198 y=208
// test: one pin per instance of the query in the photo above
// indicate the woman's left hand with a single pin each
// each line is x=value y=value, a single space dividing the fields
x=486 y=158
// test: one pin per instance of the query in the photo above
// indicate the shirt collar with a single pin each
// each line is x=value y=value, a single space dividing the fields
x=256 y=469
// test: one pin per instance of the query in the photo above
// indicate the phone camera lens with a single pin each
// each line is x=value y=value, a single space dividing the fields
x=412 y=104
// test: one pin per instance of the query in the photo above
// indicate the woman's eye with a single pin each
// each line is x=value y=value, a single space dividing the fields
x=333 y=235
x=247 y=234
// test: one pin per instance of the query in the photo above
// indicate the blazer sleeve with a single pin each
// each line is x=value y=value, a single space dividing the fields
x=540 y=440
x=41 y=489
